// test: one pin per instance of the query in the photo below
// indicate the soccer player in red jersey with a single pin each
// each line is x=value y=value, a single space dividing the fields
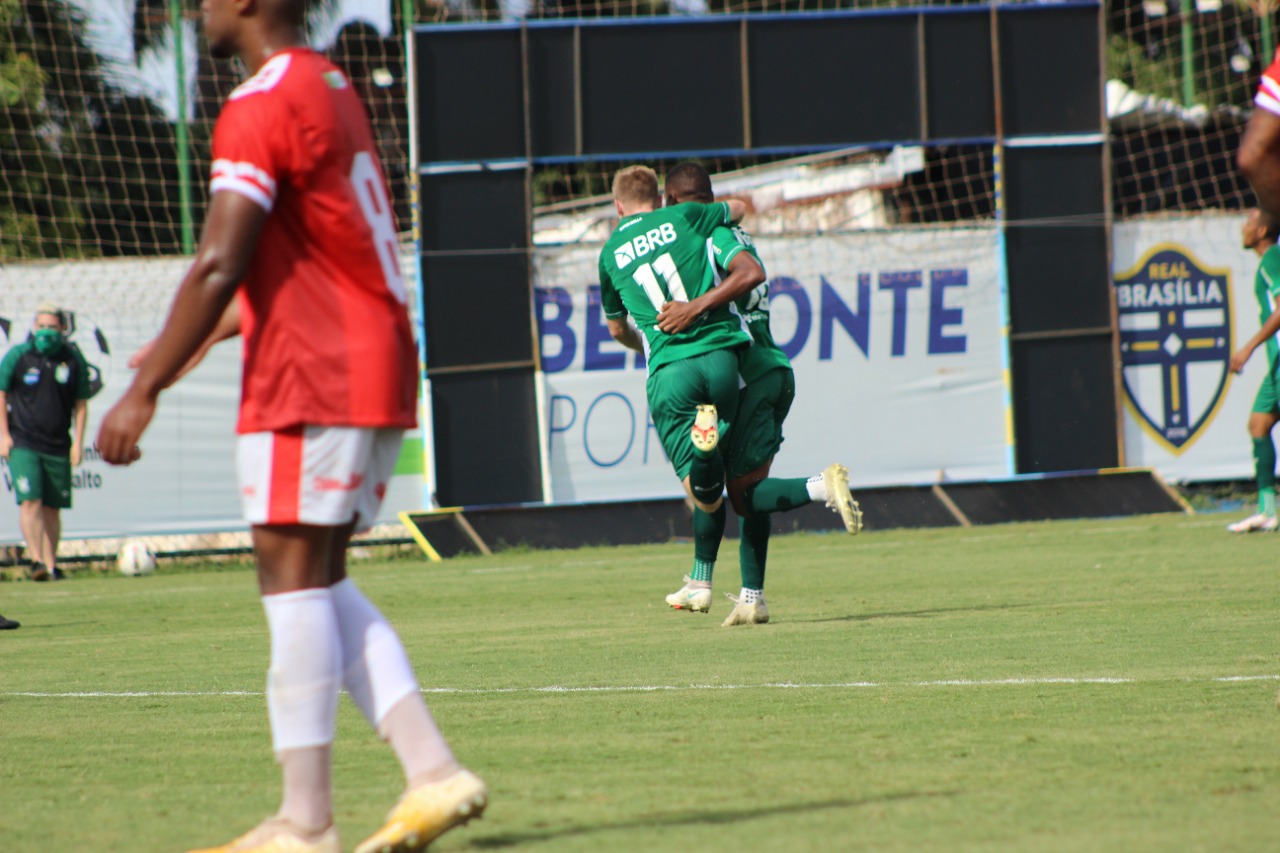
x=1259 y=154
x=300 y=234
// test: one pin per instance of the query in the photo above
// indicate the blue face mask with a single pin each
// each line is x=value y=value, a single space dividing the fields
x=48 y=341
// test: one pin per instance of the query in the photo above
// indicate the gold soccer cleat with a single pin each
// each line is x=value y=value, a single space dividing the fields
x=836 y=480
x=427 y=812
x=706 y=428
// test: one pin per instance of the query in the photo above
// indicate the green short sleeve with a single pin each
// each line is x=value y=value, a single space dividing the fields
x=610 y=301
x=7 y=365
x=1269 y=269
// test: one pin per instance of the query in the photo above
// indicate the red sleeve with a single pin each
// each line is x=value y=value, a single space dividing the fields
x=1268 y=97
x=258 y=140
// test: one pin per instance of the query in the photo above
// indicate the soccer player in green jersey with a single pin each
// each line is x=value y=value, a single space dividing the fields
x=763 y=403
x=654 y=256
x=1259 y=233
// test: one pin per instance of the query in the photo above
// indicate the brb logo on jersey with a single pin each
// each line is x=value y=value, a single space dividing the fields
x=1175 y=342
x=642 y=244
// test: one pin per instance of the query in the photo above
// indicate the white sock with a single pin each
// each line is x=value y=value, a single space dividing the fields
x=302 y=700
x=817 y=489
x=378 y=673
x=750 y=596
x=306 y=668
x=380 y=680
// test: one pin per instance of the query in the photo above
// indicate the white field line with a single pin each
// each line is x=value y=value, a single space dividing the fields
x=658 y=688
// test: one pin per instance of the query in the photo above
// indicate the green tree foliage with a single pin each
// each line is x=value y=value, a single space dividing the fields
x=34 y=212
x=87 y=170
x=1128 y=62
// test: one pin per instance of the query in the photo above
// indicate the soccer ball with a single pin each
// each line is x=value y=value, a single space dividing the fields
x=136 y=558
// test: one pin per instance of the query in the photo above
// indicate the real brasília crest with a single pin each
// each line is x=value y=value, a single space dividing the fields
x=1175 y=342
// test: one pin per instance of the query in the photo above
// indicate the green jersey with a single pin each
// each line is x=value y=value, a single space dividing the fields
x=1266 y=286
x=658 y=257
x=764 y=355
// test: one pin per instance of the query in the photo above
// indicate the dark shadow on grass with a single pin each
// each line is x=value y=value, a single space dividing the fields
x=688 y=818
x=913 y=614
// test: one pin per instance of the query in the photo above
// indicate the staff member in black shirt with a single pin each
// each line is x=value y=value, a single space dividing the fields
x=44 y=392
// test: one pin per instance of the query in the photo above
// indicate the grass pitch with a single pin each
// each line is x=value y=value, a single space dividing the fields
x=1100 y=686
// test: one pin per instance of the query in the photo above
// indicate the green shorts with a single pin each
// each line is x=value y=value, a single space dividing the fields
x=757 y=429
x=676 y=390
x=41 y=477
x=1268 y=400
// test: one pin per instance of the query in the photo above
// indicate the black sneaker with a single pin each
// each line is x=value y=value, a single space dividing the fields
x=8 y=624
x=57 y=574
x=39 y=572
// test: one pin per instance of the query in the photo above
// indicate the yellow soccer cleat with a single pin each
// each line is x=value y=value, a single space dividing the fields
x=427 y=812
x=836 y=480
x=278 y=836
x=706 y=428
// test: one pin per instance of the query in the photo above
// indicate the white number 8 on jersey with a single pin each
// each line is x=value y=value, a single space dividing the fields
x=377 y=212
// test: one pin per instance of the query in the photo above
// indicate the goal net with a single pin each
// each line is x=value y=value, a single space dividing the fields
x=108 y=107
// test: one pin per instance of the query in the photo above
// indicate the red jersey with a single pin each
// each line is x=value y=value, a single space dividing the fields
x=1268 y=96
x=326 y=332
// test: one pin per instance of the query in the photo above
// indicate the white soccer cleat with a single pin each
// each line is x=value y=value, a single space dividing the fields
x=1259 y=523
x=755 y=613
x=706 y=428
x=693 y=599
x=427 y=812
x=836 y=480
x=278 y=836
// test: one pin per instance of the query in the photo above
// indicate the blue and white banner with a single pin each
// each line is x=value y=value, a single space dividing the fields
x=1185 y=302
x=897 y=340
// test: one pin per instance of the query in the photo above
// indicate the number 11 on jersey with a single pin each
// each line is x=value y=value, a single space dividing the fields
x=659 y=295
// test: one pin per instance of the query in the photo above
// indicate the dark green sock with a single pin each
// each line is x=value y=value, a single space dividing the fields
x=753 y=549
x=778 y=495
x=708 y=530
x=1264 y=469
x=706 y=476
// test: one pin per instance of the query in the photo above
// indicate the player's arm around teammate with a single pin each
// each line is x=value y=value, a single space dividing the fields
x=745 y=274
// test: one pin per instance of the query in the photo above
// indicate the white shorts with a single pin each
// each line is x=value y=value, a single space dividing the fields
x=324 y=476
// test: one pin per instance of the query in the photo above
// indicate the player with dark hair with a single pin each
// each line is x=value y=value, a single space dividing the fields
x=763 y=403
x=299 y=233
x=655 y=255
x=1259 y=233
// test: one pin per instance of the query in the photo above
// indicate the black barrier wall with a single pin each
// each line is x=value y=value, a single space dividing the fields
x=492 y=100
